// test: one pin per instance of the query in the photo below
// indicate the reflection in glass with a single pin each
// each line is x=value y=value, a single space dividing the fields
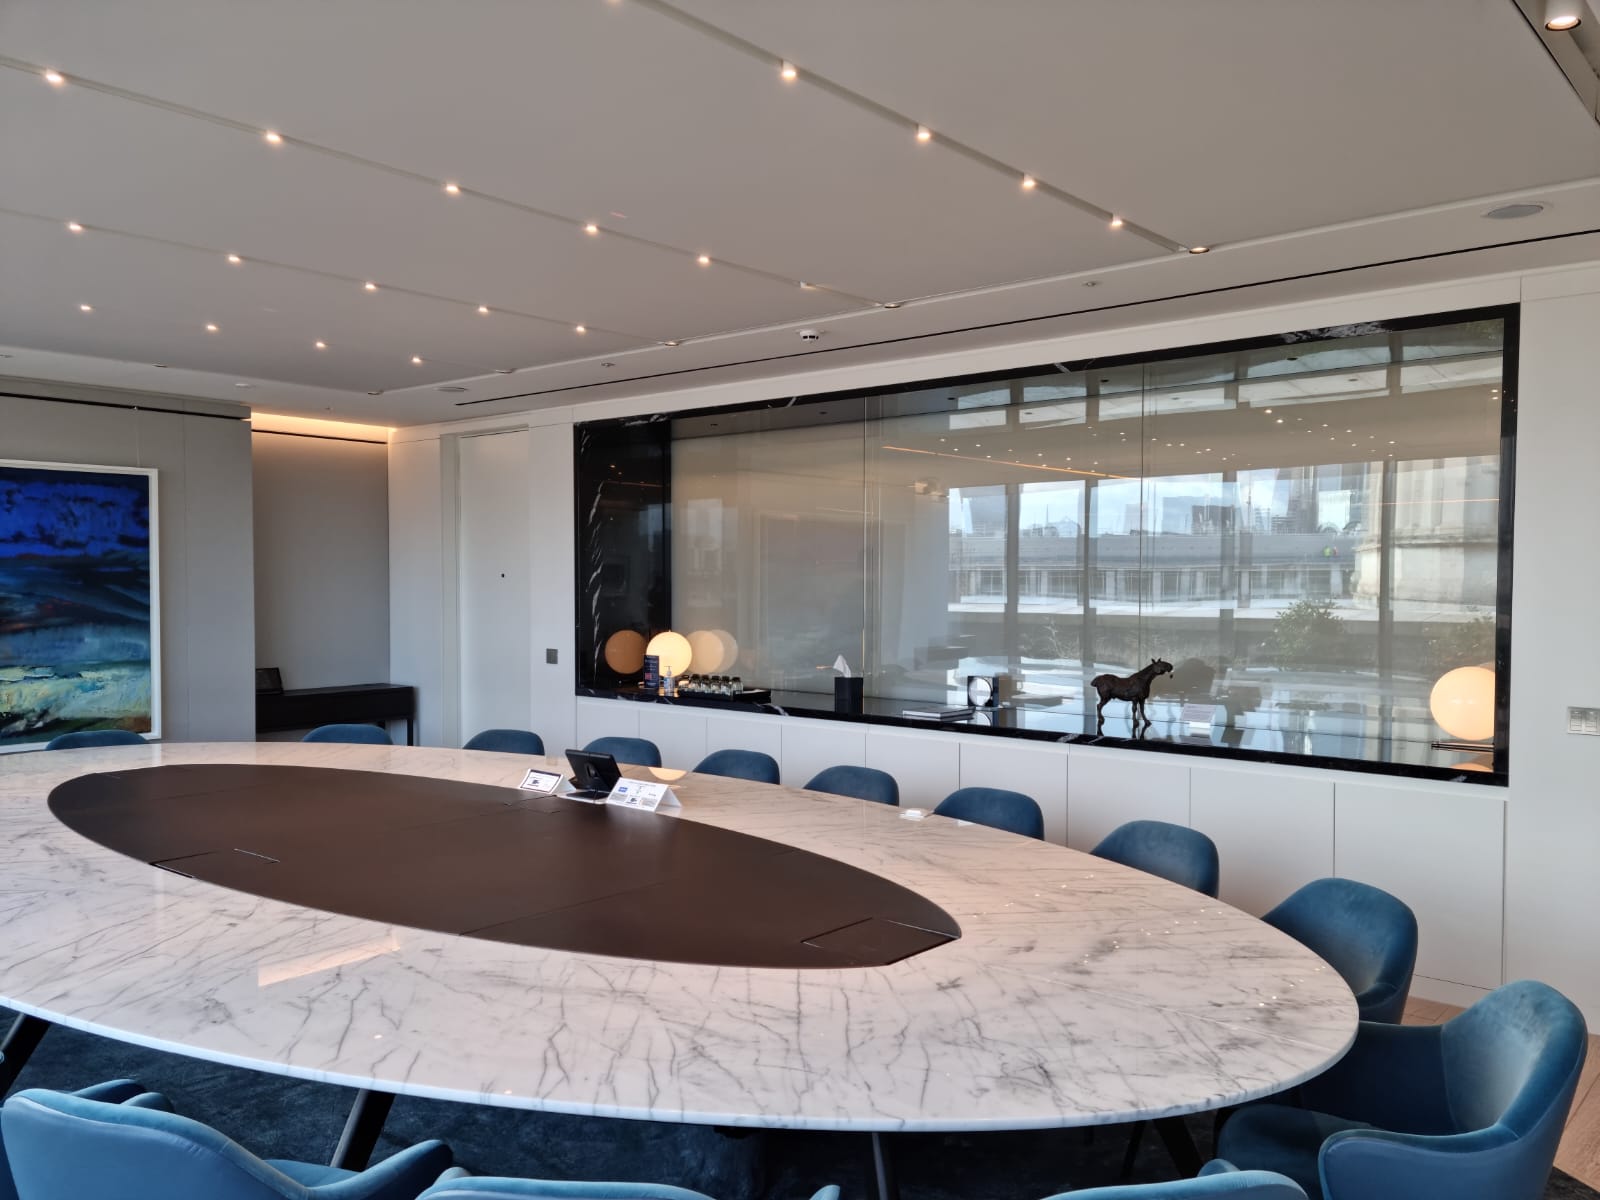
x=1308 y=530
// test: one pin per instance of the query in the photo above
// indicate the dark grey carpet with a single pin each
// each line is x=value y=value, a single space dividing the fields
x=285 y=1118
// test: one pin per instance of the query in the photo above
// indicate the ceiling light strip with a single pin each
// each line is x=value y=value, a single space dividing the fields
x=353 y=281
x=433 y=183
x=867 y=104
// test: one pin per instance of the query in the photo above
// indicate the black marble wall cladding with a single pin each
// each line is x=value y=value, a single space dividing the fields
x=624 y=546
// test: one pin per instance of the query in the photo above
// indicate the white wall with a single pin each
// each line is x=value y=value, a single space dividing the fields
x=1503 y=879
x=322 y=558
x=202 y=453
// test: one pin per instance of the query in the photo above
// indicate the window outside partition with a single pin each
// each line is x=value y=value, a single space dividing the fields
x=1308 y=528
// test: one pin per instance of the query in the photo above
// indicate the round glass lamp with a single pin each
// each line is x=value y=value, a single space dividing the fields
x=707 y=649
x=624 y=652
x=1462 y=702
x=672 y=651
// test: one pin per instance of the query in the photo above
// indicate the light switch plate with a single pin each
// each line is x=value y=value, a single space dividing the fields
x=550 y=655
x=1583 y=720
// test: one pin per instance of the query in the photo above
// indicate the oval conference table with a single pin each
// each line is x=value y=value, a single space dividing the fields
x=1077 y=992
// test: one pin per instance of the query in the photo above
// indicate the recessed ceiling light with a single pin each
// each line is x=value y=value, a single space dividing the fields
x=244 y=385
x=804 y=286
x=1116 y=222
x=891 y=304
x=704 y=260
x=608 y=364
x=452 y=189
x=924 y=134
x=375 y=393
x=1562 y=16
x=591 y=229
x=788 y=72
x=1513 y=212
x=416 y=360
x=1029 y=183
x=159 y=366
x=74 y=227
x=54 y=77
x=272 y=137
x=85 y=308
x=210 y=328
x=579 y=329
x=1091 y=283
x=672 y=343
x=483 y=310
x=320 y=345
x=235 y=259
x=1199 y=249
x=502 y=370
x=370 y=286
x=450 y=388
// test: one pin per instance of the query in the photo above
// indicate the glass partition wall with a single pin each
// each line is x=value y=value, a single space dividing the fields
x=1307 y=528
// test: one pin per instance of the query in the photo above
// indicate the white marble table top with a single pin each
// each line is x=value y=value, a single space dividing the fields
x=1080 y=992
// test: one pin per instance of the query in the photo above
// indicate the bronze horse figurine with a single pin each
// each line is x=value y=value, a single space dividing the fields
x=1135 y=688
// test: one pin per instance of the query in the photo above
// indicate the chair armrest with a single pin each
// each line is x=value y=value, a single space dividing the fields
x=405 y=1174
x=831 y=1192
x=1379 y=1165
x=1393 y=1077
x=116 y=1091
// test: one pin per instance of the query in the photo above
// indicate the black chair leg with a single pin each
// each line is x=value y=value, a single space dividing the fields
x=1135 y=1137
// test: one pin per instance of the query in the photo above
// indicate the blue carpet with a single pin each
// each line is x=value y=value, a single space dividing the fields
x=286 y=1118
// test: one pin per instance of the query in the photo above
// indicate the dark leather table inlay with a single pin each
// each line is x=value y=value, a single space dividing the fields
x=504 y=865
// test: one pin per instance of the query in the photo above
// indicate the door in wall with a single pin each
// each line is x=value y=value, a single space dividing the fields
x=493 y=582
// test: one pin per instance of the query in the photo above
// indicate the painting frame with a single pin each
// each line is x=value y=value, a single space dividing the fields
x=151 y=476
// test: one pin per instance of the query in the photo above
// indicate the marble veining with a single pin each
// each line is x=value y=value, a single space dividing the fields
x=1081 y=992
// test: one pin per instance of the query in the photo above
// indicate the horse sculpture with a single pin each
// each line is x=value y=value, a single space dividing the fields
x=1135 y=688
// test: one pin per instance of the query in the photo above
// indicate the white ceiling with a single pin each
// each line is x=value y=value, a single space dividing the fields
x=1295 y=136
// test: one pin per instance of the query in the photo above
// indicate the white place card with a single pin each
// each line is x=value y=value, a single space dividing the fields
x=543 y=782
x=636 y=793
x=1196 y=719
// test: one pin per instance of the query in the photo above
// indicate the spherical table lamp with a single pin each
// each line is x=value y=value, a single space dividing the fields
x=672 y=651
x=624 y=652
x=1462 y=702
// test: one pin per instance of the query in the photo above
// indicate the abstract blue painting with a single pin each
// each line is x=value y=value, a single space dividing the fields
x=79 y=639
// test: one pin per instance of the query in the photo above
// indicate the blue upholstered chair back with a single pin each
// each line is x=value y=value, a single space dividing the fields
x=507 y=741
x=1512 y=1059
x=1173 y=852
x=1364 y=933
x=864 y=783
x=1011 y=811
x=69 y=1148
x=740 y=764
x=118 y=1091
x=88 y=738
x=355 y=735
x=641 y=752
x=456 y=1184
x=1217 y=1180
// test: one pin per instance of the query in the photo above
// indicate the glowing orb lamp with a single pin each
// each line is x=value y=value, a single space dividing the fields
x=672 y=650
x=1462 y=702
x=624 y=652
x=708 y=652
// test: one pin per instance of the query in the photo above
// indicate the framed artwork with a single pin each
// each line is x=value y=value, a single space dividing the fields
x=80 y=644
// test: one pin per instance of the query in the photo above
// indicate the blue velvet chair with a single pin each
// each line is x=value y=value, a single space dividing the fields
x=1468 y=1110
x=864 y=783
x=507 y=741
x=86 y=739
x=1173 y=852
x=354 y=735
x=1362 y=932
x=68 y=1148
x=456 y=1184
x=118 y=1091
x=740 y=764
x=1218 y=1180
x=641 y=752
x=1010 y=811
